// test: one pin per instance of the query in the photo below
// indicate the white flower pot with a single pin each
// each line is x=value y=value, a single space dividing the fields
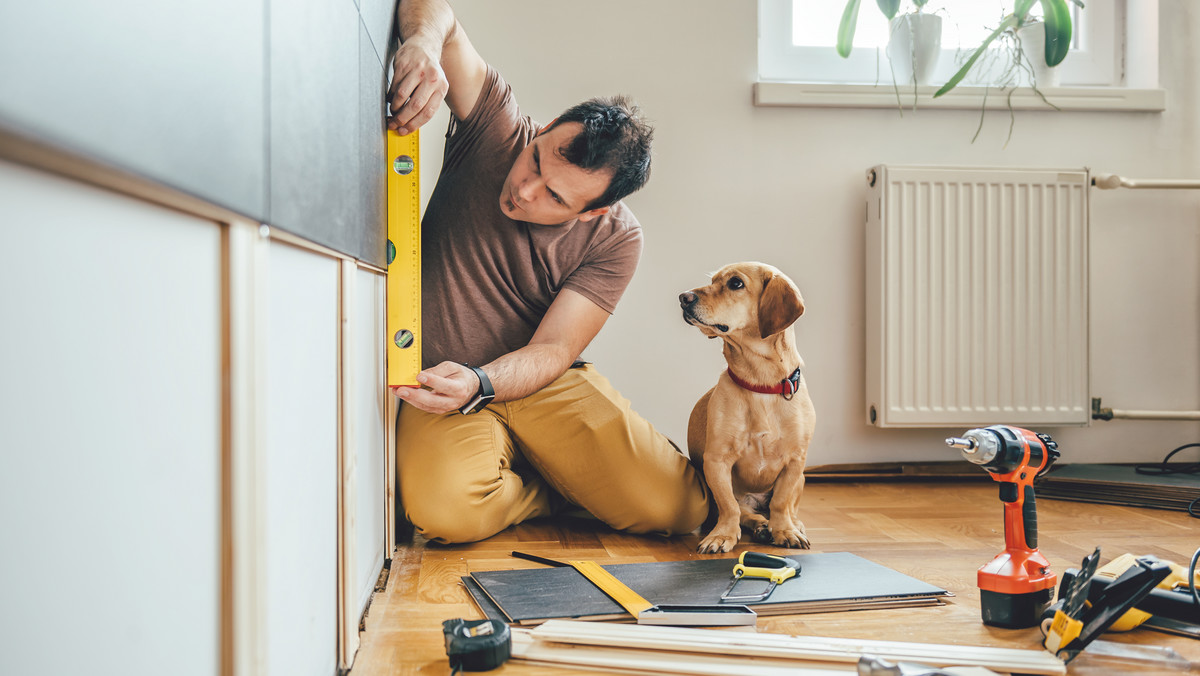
x=914 y=47
x=1033 y=46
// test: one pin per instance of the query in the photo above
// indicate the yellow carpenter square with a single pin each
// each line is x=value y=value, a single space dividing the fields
x=629 y=599
x=403 y=259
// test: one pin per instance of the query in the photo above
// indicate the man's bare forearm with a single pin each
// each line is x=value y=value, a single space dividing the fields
x=525 y=371
x=429 y=21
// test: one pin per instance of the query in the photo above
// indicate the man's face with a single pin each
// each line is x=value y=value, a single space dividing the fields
x=544 y=188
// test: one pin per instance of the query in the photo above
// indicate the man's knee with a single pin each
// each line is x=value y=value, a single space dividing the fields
x=445 y=518
x=667 y=517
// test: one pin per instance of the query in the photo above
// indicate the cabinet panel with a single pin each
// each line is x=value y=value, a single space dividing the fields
x=372 y=142
x=370 y=432
x=110 y=427
x=314 y=159
x=301 y=463
x=173 y=91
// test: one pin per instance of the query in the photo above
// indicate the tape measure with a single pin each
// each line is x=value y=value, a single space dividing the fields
x=478 y=645
x=403 y=258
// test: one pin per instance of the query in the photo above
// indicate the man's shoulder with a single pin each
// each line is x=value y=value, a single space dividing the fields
x=617 y=230
x=624 y=227
x=495 y=123
x=621 y=218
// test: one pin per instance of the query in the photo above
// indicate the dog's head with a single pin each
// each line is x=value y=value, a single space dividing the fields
x=743 y=298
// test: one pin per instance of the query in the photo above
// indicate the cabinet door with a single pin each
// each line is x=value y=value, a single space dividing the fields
x=301 y=463
x=370 y=432
x=110 y=432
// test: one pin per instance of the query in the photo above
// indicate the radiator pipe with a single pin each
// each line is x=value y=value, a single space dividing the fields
x=1112 y=182
x=1099 y=413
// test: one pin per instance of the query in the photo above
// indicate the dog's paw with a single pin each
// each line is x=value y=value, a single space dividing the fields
x=793 y=538
x=718 y=543
x=762 y=534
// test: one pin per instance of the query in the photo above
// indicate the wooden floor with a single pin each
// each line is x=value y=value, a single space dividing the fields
x=938 y=531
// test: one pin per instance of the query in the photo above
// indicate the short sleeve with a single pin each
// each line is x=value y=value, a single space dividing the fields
x=608 y=269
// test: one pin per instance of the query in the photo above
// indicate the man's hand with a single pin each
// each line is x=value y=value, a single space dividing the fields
x=450 y=386
x=418 y=86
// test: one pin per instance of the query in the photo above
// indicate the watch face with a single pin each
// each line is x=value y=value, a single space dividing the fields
x=478 y=403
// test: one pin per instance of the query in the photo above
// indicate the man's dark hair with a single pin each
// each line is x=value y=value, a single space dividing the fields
x=614 y=138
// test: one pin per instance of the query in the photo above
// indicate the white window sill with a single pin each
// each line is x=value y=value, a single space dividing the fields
x=826 y=95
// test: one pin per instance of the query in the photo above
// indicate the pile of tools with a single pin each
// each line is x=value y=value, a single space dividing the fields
x=1016 y=590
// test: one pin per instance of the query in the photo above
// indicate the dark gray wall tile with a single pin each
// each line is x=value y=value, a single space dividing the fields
x=314 y=160
x=372 y=142
x=171 y=91
x=377 y=17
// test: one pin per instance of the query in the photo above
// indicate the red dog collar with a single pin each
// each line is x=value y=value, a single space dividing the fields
x=786 y=387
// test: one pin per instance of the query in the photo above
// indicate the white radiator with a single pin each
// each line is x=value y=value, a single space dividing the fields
x=977 y=296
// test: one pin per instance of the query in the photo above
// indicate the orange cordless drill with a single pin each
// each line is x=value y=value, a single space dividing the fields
x=1016 y=587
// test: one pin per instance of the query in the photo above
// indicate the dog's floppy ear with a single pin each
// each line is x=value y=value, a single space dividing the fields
x=779 y=305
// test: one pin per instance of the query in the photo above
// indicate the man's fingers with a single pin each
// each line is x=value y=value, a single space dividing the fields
x=448 y=377
x=421 y=104
x=418 y=87
x=449 y=384
x=437 y=383
x=426 y=400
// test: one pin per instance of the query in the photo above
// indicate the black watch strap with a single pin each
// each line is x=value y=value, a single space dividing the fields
x=483 y=396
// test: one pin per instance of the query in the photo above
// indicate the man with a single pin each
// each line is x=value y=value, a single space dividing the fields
x=526 y=251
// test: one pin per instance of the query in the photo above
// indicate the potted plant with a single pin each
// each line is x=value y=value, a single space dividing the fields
x=915 y=39
x=1055 y=36
x=1021 y=63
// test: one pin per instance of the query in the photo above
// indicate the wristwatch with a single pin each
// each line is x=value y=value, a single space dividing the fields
x=483 y=396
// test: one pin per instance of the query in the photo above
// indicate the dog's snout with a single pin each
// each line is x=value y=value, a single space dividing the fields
x=686 y=299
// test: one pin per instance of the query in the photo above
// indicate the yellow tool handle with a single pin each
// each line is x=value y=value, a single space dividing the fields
x=773 y=568
x=629 y=599
x=776 y=575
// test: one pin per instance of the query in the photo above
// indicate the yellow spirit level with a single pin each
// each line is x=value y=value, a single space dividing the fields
x=403 y=259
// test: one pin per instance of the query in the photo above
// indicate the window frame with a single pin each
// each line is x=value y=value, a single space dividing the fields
x=1095 y=63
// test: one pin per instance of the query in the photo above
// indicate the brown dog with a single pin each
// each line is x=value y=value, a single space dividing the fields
x=750 y=433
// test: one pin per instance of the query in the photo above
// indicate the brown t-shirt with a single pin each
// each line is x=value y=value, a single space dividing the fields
x=487 y=279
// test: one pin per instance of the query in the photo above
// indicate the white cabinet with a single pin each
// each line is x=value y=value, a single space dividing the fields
x=193 y=440
x=110 y=433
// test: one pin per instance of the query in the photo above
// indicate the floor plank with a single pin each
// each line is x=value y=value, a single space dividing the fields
x=936 y=531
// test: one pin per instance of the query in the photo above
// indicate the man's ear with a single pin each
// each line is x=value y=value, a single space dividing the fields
x=593 y=214
x=779 y=306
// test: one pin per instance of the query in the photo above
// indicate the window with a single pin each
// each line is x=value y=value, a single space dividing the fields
x=797 y=38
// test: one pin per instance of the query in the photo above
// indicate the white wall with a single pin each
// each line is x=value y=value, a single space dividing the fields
x=784 y=185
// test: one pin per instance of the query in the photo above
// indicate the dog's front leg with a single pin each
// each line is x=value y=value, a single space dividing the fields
x=787 y=530
x=724 y=536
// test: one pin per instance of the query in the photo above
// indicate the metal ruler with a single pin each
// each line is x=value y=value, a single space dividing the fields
x=403 y=259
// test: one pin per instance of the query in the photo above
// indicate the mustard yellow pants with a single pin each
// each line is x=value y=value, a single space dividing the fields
x=576 y=442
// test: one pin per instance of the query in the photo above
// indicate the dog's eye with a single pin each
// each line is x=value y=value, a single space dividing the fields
x=735 y=283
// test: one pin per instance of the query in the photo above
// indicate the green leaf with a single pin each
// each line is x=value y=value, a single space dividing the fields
x=889 y=8
x=845 y=39
x=1021 y=10
x=1010 y=21
x=1058 y=30
x=920 y=3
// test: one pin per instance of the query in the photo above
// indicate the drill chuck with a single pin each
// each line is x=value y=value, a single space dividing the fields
x=979 y=446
